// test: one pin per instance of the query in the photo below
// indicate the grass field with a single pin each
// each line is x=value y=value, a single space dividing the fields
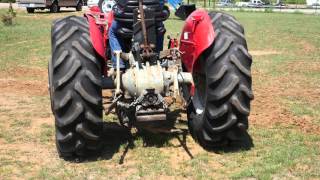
x=284 y=121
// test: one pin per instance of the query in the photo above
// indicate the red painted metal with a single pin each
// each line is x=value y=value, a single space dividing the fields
x=97 y=35
x=197 y=35
x=176 y=42
x=171 y=44
x=99 y=24
x=97 y=29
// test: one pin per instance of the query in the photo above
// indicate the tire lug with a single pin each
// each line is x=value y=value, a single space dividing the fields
x=242 y=126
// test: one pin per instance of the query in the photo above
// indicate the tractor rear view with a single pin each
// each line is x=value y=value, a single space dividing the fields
x=209 y=68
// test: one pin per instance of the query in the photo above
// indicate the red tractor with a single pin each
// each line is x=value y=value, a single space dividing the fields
x=209 y=67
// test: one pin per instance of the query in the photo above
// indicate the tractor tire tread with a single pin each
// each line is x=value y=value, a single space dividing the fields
x=228 y=88
x=77 y=108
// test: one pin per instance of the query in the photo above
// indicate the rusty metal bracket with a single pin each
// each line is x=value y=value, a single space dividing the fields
x=147 y=49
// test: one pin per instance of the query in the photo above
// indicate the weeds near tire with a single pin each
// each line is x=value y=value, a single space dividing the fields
x=7 y=19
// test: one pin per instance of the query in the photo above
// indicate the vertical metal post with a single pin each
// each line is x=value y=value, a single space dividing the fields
x=143 y=25
x=118 y=72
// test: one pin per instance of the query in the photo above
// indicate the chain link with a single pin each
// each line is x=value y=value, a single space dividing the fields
x=139 y=101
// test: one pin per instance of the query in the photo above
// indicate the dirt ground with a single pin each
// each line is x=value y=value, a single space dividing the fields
x=22 y=97
x=15 y=89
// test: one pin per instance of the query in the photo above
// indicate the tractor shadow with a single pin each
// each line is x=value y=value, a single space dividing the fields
x=245 y=144
x=115 y=136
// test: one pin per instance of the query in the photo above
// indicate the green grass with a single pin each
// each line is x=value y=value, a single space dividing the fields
x=302 y=108
x=279 y=156
x=314 y=75
x=16 y=131
x=283 y=151
x=27 y=41
x=47 y=133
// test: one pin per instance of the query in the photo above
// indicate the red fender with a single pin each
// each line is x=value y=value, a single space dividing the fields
x=96 y=36
x=197 y=35
x=99 y=24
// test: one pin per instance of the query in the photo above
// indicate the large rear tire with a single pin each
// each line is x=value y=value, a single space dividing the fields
x=75 y=88
x=218 y=114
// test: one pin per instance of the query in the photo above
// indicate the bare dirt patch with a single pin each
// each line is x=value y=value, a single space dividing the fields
x=269 y=108
x=178 y=154
x=268 y=111
x=23 y=72
x=298 y=84
x=23 y=98
x=307 y=46
x=28 y=81
x=303 y=66
x=37 y=88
